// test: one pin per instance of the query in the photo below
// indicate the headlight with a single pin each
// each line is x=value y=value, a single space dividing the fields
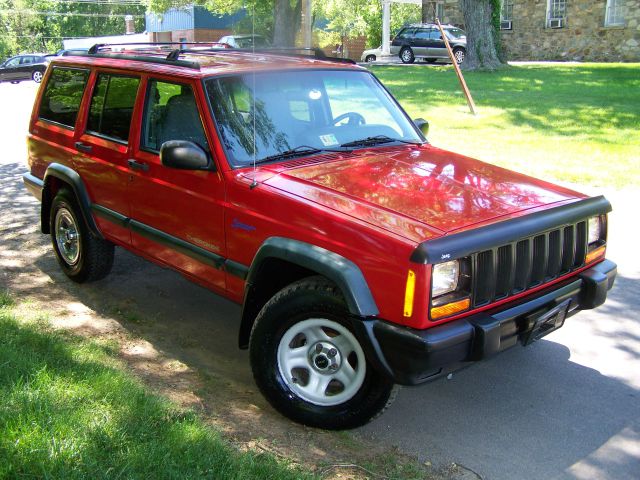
x=594 y=230
x=444 y=278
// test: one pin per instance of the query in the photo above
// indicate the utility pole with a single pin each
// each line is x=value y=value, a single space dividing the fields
x=306 y=23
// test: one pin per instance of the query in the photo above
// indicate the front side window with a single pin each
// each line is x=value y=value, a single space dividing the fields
x=14 y=62
x=62 y=96
x=615 y=13
x=112 y=106
x=264 y=114
x=556 y=13
x=171 y=113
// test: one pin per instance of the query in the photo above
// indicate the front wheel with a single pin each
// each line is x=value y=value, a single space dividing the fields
x=459 y=55
x=370 y=58
x=82 y=257
x=37 y=76
x=308 y=363
x=407 y=56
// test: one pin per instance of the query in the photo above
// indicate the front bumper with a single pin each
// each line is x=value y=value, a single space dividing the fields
x=411 y=357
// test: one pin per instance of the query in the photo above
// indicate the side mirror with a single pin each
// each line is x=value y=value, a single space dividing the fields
x=422 y=125
x=184 y=155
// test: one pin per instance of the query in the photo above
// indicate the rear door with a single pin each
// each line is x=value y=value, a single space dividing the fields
x=420 y=42
x=23 y=72
x=437 y=48
x=103 y=150
x=177 y=216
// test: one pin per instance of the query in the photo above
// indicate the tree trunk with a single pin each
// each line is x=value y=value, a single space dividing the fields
x=286 y=21
x=427 y=11
x=481 y=46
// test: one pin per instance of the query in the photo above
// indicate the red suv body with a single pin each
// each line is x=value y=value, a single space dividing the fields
x=364 y=257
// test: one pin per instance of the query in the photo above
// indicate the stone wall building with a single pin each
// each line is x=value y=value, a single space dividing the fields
x=586 y=30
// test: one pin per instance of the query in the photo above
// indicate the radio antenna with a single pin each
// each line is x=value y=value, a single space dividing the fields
x=254 y=183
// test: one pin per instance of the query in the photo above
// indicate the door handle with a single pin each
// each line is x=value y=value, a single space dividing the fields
x=138 y=165
x=83 y=147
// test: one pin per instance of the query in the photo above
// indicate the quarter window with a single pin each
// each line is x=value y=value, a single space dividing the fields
x=614 y=14
x=62 y=96
x=171 y=113
x=112 y=106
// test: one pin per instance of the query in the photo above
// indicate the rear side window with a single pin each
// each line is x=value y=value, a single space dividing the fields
x=112 y=106
x=62 y=96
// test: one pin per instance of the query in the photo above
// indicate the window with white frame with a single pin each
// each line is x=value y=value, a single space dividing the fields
x=506 y=14
x=614 y=15
x=556 y=13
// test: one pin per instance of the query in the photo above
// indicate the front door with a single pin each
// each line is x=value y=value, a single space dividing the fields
x=176 y=215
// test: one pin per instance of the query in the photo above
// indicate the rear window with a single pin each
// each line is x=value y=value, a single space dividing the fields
x=112 y=106
x=62 y=96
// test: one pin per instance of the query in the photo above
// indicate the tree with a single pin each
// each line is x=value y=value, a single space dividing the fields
x=482 y=24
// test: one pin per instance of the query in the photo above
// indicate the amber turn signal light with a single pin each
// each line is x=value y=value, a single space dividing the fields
x=450 y=309
x=595 y=254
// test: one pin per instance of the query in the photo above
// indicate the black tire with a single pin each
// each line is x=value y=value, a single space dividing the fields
x=370 y=58
x=407 y=56
x=37 y=76
x=459 y=54
x=82 y=257
x=307 y=301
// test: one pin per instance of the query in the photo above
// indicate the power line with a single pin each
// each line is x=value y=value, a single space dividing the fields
x=68 y=14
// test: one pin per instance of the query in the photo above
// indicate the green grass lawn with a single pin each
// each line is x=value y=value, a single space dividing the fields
x=69 y=410
x=569 y=122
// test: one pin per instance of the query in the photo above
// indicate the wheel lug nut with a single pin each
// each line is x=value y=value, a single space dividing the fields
x=333 y=367
x=318 y=348
x=333 y=352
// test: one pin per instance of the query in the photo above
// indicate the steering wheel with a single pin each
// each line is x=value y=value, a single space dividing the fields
x=354 y=119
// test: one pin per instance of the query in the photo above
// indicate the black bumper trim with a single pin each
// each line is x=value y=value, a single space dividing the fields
x=411 y=357
x=34 y=185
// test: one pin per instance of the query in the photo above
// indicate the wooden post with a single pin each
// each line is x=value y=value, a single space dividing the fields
x=465 y=89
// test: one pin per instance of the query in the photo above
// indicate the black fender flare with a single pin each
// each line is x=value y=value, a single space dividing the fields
x=340 y=270
x=73 y=179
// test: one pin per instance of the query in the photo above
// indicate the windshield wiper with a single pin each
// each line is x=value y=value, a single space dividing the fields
x=299 y=151
x=377 y=140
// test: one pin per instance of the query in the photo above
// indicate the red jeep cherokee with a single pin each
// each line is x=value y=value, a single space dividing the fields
x=363 y=257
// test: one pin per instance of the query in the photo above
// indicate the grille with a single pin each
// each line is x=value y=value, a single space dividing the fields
x=509 y=269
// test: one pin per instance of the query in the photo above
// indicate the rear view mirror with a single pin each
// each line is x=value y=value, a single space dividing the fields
x=422 y=125
x=184 y=155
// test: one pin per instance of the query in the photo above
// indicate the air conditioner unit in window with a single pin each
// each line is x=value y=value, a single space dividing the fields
x=556 y=22
x=505 y=25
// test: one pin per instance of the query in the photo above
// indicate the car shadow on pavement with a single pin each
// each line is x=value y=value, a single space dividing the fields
x=528 y=413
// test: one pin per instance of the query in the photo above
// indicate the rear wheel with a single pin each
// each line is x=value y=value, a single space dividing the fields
x=370 y=58
x=308 y=363
x=406 y=55
x=37 y=76
x=82 y=257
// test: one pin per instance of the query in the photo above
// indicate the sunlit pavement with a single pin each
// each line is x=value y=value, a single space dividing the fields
x=566 y=407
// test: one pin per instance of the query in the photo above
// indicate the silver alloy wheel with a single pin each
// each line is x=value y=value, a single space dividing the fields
x=321 y=361
x=459 y=54
x=67 y=236
x=406 y=55
x=37 y=76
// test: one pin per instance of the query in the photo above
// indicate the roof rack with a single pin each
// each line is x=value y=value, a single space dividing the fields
x=202 y=48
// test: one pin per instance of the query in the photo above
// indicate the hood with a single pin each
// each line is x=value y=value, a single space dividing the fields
x=420 y=192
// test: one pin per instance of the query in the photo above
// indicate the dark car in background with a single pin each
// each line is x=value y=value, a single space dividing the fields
x=424 y=41
x=30 y=66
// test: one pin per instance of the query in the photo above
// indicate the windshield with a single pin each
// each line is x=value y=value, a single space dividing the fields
x=314 y=109
x=455 y=33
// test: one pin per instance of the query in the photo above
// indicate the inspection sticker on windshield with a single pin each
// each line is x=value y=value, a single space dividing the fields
x=329 y=139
